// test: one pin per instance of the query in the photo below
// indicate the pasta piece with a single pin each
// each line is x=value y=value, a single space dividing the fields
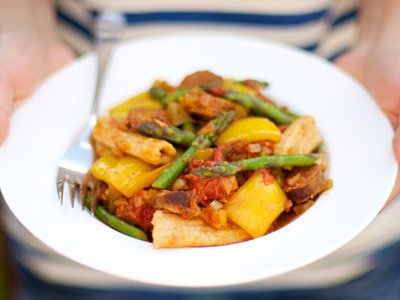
x=301 y=137
x=171 y=231
x=152 y=151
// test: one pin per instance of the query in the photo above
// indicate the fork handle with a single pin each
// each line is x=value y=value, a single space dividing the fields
x=109 y=27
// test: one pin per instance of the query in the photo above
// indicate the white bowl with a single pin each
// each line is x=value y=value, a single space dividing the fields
x=356 y=134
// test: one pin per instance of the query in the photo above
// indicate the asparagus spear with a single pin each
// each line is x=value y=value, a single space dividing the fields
x=170 y=174
x=209 y=133
x=116 y=223
x=159 y=129
x=158 y=92
x=252 y=102
x=188 y=127
x=259 y=83
x=273 y=161
x=164 y=97
x=204 y=140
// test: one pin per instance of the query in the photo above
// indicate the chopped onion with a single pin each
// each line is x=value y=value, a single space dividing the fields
x=255 y=148
x=216 y=205
x=177 y=114
x=229 y=183
x=179 y=185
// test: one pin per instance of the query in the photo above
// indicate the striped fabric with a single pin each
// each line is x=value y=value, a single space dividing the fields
x=309 y=24
x=326 y=27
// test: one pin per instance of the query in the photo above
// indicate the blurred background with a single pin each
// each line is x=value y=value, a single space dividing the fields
x=5 y=281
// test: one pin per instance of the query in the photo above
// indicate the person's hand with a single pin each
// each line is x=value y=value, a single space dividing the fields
x=29 y=51
x=375 y=62
x=377 y=67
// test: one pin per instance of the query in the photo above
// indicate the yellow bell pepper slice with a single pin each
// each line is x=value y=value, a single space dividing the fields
x=203 y=153
x=142 y=100
x=241 y=111
x=142 y=181
x=256 y=204
x=127 y=174
x=250 y=129
x=238 y=87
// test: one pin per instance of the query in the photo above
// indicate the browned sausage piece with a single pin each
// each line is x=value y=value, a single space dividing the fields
x=305 y=183
x=205 y=105
x=179 y=202
x=199 y=78
x=140 y=116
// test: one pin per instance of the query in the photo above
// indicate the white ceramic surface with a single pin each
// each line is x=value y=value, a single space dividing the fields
x=356 y=133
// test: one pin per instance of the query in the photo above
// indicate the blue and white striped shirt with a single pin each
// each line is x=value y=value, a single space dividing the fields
x=324 y=26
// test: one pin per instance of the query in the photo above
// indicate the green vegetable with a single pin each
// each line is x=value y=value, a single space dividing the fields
x=174 y=96
x=204 y=140
x=158 y=92
x=259 y=83
x=225 y=168
x=161 y=130
x=164 y=97
x=116 y=223
x=169 y=175
x=253 y=103
x=212 y=129
x=188 y=127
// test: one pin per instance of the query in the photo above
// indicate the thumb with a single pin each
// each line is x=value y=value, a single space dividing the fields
x=396 y=148
x=59 y=56
x=351 y=63
x=6 y=104
x=396 y=143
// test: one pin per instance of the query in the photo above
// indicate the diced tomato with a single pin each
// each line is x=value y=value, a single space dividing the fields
x=218 y=154
x=138 y=216
x=195 y=163
x=209 y=189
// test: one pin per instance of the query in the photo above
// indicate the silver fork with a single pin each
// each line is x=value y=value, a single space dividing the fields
x=74 y=166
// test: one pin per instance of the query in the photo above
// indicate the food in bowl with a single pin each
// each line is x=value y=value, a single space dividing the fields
x=211 y=161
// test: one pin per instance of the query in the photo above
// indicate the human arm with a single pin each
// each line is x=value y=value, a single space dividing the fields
x=375 y=60
x=30 y=49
